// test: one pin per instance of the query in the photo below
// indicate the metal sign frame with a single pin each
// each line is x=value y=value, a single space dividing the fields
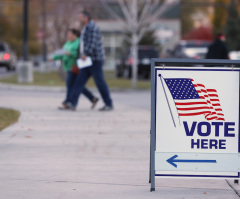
x=157 y=62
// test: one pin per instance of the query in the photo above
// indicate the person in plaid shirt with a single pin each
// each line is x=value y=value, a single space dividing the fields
x=91 y=46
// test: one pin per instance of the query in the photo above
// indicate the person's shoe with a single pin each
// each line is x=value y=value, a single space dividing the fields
x=63 y=107
x=69 y=106
x=106 y=108
x=94 y=102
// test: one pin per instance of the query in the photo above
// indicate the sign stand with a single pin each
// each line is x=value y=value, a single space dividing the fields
x=153 y=128
x=207 y=156
x=150 y=163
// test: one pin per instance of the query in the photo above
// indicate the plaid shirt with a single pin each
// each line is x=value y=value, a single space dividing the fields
x=92 y=42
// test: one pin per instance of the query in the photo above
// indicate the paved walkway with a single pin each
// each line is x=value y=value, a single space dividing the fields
x=51 y=154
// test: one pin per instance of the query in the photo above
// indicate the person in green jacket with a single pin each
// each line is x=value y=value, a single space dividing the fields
x=69 y=57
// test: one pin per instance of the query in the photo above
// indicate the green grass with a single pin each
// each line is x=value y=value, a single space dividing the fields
x=8 y=117
x=40 y=79
x=54 y=79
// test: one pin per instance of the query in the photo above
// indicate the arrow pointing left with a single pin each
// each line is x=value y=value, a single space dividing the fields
x=173 y=159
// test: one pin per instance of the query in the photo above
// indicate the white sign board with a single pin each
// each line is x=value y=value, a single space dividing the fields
x=197 y=122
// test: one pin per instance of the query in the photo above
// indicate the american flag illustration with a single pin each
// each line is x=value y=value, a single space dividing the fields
x=193 y=99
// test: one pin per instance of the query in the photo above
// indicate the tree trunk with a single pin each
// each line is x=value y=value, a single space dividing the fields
x=134 y=49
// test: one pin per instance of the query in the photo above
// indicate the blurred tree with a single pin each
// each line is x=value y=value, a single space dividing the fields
x=4 y=25
x=137 y=16
x=11 y=26
x=232 y=28
x=149 y=38
x=63 y=14
x=186 y=12
x=58 y=22
x=194 y=14
x=220 y=14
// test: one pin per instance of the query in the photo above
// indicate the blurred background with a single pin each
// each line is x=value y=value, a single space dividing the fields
x=174 y=29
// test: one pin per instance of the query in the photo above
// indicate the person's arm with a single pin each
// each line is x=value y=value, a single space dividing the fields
x=225 y=52
x=57 y=57
x=90 y=41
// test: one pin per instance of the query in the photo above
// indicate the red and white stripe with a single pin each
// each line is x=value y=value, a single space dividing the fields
x=208 y=104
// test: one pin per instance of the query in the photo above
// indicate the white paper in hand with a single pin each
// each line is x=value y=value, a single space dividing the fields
x=84 y=63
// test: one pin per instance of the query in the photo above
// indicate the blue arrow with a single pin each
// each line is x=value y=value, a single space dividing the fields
x=172 y=161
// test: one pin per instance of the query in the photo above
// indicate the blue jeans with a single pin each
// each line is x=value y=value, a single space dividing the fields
x=70 y=81
x=97 y=72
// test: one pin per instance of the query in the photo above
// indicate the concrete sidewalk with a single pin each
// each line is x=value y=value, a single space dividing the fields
x=52 y=154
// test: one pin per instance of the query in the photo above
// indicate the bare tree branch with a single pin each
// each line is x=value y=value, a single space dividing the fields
x=142 y=32
x=163 y=8
x=138 y=17
x=126 y=13
x=146 y=11
x=110 y=11
x=59 y=23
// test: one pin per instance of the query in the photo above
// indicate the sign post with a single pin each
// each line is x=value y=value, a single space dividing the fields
x=194 y=119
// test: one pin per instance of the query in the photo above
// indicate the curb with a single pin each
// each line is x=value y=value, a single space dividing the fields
x=32 y=88
x=56 y=88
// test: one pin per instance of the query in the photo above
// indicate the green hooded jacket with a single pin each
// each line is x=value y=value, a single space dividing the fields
x=68 y=61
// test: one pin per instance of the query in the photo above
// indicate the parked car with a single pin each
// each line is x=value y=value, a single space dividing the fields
x=145 y=53
x=8 y=58
x=195 y=49
x=234 y=55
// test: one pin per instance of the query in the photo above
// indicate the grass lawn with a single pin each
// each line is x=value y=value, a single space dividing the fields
x=8 y=117
x=53 y=79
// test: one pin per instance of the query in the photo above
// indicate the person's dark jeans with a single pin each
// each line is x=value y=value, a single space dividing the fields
x=70 y=82
x=97 y=72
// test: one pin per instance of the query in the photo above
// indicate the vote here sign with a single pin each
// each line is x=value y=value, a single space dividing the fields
x=197 y=122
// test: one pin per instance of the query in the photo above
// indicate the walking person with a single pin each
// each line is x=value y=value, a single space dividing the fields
x=68 y=56
x=218 y=49
x=91 y=46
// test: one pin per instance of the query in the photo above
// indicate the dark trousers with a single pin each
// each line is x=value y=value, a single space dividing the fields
x=70 y=82
x=96 y=72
